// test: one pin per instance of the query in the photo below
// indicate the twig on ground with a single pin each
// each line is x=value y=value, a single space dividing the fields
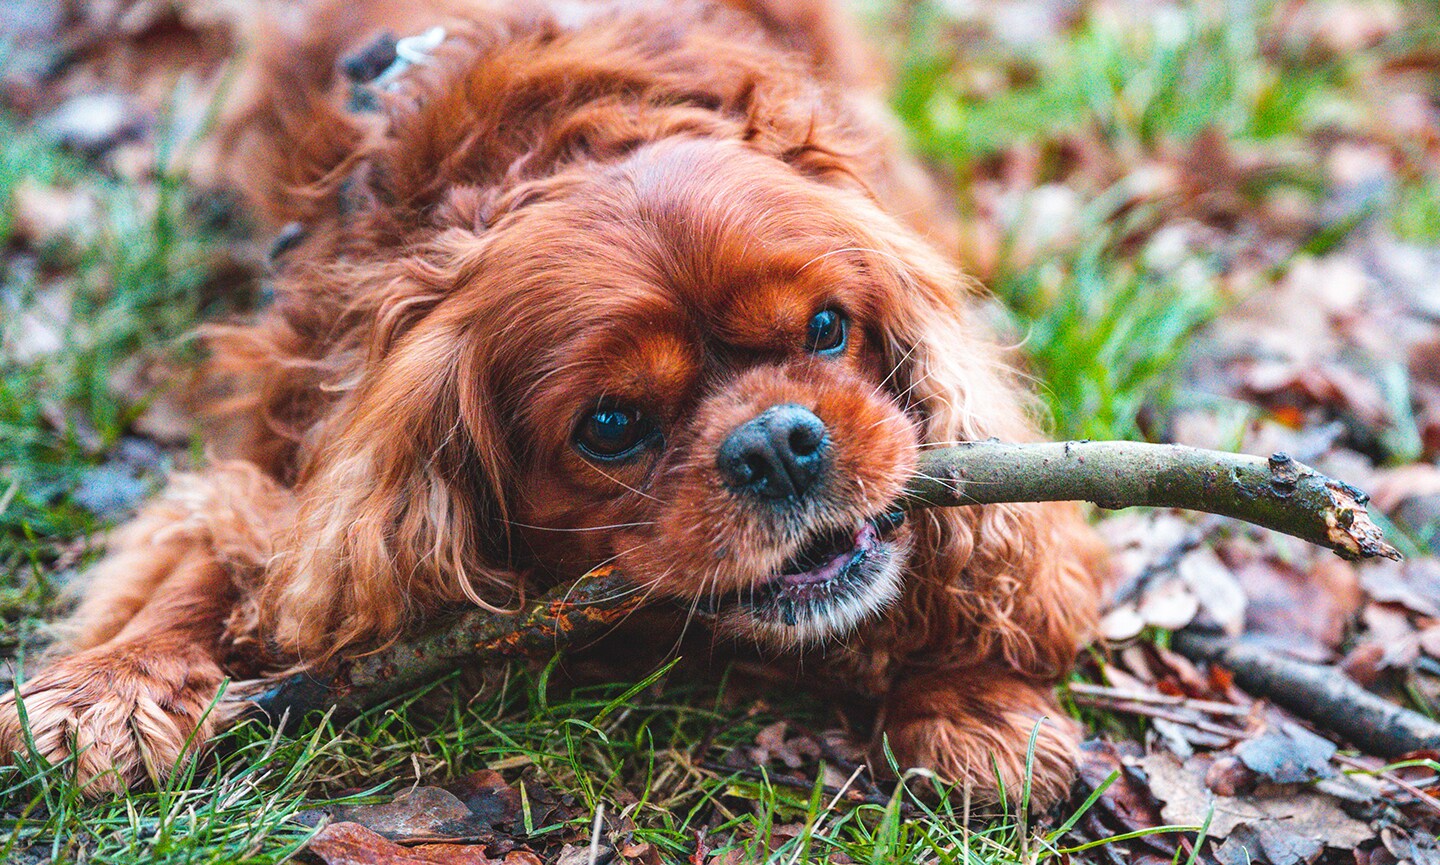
x=565 y=616
x=1101 y=692
x=1151 y=710
x=1320 y=694
x=1277 y=493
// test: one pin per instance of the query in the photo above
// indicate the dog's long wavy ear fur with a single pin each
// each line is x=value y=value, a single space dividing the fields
x=1020 y=578
x=398 y=508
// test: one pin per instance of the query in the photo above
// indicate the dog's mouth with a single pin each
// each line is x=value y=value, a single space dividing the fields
x=837 y=578
x=825 y=565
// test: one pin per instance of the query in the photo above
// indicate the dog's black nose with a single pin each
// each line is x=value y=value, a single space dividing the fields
x=778 y=454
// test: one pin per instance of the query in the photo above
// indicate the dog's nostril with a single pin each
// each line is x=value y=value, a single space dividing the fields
x=778 y=454
x=805 y=439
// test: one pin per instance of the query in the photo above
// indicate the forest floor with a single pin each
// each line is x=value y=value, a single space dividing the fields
x=1213 y=223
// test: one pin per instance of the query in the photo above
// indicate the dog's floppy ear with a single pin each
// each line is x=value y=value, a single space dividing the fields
x=1019 y=577
x=944 y=367
x=399 y=508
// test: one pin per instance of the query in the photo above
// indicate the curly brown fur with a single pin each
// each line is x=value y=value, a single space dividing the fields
x=573 y=205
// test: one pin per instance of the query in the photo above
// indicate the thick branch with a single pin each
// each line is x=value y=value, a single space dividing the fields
x=1278 y=493
x=1322 y=695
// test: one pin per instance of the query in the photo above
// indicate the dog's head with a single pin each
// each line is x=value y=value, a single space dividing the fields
x=703 y=385
x=696 y=363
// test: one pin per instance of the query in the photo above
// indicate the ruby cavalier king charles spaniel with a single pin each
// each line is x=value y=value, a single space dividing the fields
x=571 y=282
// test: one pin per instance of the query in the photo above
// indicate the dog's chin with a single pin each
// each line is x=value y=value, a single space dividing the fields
x=838 y=580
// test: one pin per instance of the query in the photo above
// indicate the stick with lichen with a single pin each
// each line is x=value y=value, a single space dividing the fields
x=1277 y=493
x=563 y=617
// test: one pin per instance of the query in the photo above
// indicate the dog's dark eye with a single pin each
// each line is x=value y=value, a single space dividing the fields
x=613 y=432
x=827 y=331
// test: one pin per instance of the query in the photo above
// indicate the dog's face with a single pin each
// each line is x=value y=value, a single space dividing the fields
x=696 y=372
x=699 y=363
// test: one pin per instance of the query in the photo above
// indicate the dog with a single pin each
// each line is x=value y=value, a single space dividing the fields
x=572 y=282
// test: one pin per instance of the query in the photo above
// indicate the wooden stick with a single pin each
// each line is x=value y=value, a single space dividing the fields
x=1101 y=692
x=1165 y=713
x=1277 y=493
x=1320 y=694
x=563 y=617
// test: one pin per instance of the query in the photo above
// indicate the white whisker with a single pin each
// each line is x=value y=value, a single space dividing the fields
x=579 y=529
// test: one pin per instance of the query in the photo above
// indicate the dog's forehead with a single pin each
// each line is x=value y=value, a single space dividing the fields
x=724 y=231
x=685 y=255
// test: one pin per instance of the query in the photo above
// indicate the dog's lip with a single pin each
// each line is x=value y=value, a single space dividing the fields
x=794 y=583
x=829 y=554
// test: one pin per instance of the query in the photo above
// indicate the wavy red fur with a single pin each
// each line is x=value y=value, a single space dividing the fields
x=571 y=202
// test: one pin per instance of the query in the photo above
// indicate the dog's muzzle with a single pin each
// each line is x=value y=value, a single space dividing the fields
x=839 y=578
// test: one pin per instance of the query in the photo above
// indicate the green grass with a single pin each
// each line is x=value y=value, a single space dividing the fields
x=1105 y=314
x=636 y=748
x=1415 y=216
x=1104 y=331
x=134 y=282
x=1135 y=87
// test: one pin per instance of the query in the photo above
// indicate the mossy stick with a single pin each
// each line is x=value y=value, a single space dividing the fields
x=1277 y=493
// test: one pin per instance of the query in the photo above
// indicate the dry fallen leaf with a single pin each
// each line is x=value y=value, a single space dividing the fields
x=1413 y=584
x=1288 y=755
x=581 y=854
x=1411 y=845
x=1269 y=843
x=1122 y=624
x=771 y=744
x=1326 y=385
x=418 y=812
x=643 y=854
x=354 y=844
x=1301 y=608
x=1220 y=595
x=1338 y=28
x=1429 y=640
x=1171 y=605
x=92 y=123
x=1188 y=801
x=1126 y=806
x=491 y=800
x=1390 y=487
x=1388 y=642
x=49 y=214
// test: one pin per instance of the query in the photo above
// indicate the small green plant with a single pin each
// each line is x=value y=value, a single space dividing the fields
x=134 y=272
x=1167 y=79
x=1415 y=216
x=1104 y=331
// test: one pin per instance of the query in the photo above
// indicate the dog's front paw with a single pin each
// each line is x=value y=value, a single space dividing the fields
x=125 y=713
x=976 y=734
